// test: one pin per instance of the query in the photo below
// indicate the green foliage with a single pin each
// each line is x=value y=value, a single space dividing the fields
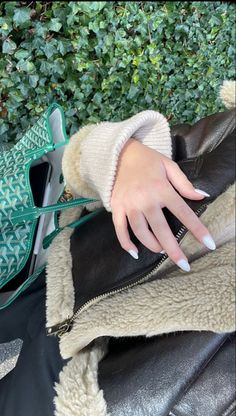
x=109 y=60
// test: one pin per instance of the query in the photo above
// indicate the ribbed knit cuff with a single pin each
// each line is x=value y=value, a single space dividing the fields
x=100 y=149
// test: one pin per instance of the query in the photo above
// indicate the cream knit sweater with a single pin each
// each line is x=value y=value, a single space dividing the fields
x=91 y=157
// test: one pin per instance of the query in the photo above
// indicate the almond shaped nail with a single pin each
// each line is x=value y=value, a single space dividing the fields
x=199 y=191
x=134 y=254
x=209 y=242
x=183 y=264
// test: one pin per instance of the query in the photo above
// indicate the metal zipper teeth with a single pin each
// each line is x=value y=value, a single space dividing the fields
x=66 y=326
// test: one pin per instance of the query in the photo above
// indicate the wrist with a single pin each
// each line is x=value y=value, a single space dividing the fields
x=127 y=150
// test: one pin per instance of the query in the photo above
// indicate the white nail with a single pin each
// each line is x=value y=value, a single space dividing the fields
x=134 y=254
x=162 y=252
x=209 y=242
x=201 y=192
x=184 y=265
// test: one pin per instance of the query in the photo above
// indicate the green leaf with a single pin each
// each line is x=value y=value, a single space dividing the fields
x=133 y=91
x=3 y=128
x=55 y=25
x=21 y=54
x=25 y=66
x=8 y=46
x=33 y=80
x=21 y=16
x=10 y=7
x=91 y=8
x=49 y=50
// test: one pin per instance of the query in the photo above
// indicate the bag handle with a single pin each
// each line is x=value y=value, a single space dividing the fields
x=75 y=224
x=30 y=214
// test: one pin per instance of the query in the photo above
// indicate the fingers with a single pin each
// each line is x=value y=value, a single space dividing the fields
x=180 y=181
x=140 y=229
x=186 y=215
x=139 y=226
x=121 y=228
x=160 y=236
x=161 y=229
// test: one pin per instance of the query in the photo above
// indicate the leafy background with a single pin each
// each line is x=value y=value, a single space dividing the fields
x=109 y=60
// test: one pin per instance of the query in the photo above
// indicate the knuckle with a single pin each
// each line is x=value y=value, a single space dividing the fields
x=184 y=210
x=138 y=191
x=198 y=228
x=175 y=165
x=133 y=215
x=150 y=209
x=138 y=231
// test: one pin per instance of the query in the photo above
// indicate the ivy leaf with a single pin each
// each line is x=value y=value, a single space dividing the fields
x=8 y=46
x=133 y=91
x=55 y=25
x=49 y=50
x=5 y=26
x=33 y=80
x=91 y=8
x=21 y=54
x=25 y=66
x=21 y=16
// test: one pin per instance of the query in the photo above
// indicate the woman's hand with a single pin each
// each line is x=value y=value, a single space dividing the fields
x=145 y=183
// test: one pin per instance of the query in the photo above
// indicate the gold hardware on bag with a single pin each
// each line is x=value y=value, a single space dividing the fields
x=67 y=195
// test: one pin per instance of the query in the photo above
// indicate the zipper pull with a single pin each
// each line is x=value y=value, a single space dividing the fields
x=60 y=329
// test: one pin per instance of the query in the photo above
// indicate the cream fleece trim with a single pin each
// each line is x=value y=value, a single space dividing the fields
x=206 y=299
x=228 y=94
x=60 y=289
x=90 y=159
x=78 y=393
x=196 y=302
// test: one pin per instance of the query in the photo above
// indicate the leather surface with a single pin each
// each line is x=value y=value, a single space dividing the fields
x=147 y=376
x=203 y=398
x=190 y=141
x=100 y=265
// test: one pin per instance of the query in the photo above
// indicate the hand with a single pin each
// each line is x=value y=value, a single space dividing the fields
x=145 y=183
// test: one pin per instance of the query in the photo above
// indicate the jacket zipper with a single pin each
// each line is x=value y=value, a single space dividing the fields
x=66 y=326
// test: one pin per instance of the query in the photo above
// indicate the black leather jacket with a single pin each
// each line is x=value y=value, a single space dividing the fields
x=179 y=374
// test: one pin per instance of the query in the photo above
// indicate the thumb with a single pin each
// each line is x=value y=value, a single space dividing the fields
x=181 y=183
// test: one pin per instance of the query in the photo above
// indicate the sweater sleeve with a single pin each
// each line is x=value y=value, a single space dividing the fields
x=90 y=159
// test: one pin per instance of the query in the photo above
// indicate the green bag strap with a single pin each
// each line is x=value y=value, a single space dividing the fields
x=22 y=287
x=75 y=224
x=29 y=214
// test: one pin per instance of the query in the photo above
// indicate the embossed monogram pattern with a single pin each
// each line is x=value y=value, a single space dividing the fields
x=15 y=194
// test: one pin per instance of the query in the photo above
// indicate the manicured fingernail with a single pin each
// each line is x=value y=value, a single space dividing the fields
x=184 y=265
x=209 y=242
x=134 y=254
x=199 y=191
x=162 y=252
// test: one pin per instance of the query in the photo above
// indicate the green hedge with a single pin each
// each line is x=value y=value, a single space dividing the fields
x=109 y=60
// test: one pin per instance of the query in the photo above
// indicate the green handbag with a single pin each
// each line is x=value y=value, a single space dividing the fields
x=18 y=213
